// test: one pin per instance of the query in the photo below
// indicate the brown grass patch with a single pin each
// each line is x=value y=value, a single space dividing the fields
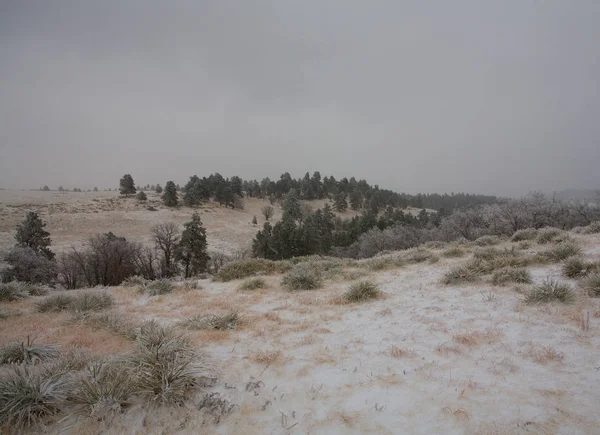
x=304 y=371
x=322 y=331
x=400 y=352
x=544 y=354
x=475 y=338
x=323 y=356
x=307 y=340
x=266 y=356
x=446 y=349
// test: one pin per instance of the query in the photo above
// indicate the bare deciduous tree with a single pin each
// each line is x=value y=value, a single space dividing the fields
x=268 y=212
x=166 y=237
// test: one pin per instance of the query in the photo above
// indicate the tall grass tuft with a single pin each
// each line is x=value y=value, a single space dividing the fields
x=12 y=291
x=159 y=287
x=362 y=291
x=550 y=291
x=28 y=396
x=28 y=352
x=302 y=277
x=592 y=284
x=253 y=284
x=507 y=275
x=219 y=323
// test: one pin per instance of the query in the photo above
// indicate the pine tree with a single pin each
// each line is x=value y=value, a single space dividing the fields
x=31 y=234
x=339 y=202
x=126 y=185
x=192 y=247
x=141 y=196
x=158 y=189
x=169 y=196
x=291 y=206
x=355 y=200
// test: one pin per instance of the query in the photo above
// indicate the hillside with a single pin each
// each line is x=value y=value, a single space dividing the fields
x=425 y=357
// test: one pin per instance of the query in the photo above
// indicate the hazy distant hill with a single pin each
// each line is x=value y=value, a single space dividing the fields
x=578 y=194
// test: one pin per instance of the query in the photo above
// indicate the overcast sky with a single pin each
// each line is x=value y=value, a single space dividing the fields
x=418 y=96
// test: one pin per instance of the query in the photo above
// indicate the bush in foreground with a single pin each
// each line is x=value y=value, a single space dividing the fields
x=27 y=352
x=550 y=291
x=302 y=277
x=29 y=395
x=106 y=388
x=163 y=365
x=362 y=291
x=511 y=275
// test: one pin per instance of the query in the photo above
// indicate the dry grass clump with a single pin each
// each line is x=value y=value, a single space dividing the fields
x=362 y=291
x=253 y=266
x=487 y=241
x=111 y=322
x=302 y=277
x=475 y=338
x=159 y=287
x=253 y=284
x=420 y=255
x=27 y=352
x=163 y=366
x=507 y=275
x=526 y=234
x=544 y=354
x=93 y=300
x=134 y=281
x=573 y=267
x=592 y=284
x=28 y=396
x=400 y=352
x=383 y=262
x=214 y=322
x=459 y=274
x=551 y=235
x=593 y=228
x=351 y=275
x=266 y=356
x=453 y=252
x=105 y=388
x=550 y=291
x=12 y=291
x=561 y=252
x=577 y=267
x=434 y=244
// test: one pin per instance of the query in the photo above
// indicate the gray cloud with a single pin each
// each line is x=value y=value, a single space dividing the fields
x=492 y=97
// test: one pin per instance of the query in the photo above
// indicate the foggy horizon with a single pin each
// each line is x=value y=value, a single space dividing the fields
x=498 y=98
